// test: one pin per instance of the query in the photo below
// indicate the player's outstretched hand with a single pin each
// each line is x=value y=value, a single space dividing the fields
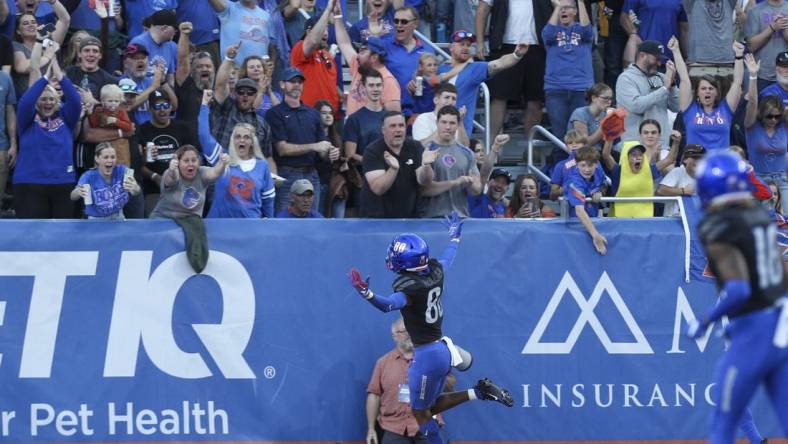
x=696 y=329
x=454 y=225
x=361 y=285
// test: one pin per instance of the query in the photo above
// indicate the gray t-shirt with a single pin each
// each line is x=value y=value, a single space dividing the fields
x=7 y=97
x=710 y=30
x=583 y=115
x=185 y=197
x=21 y=81
x=758 y=18
x=452 y=162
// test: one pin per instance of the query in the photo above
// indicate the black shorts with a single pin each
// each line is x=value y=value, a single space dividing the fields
x=524 y=81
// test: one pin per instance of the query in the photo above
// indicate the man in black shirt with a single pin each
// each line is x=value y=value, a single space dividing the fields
x=166 y=135
x=88 y=75
x=394 y=168
x=194 y=74
x=418 y=288
x=740 y=239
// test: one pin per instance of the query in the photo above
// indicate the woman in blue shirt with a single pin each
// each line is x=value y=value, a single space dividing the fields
x=767 y=138
x=708 y=118
x=246 y=188
x=569 y=72
x=44 y=174
x=106 y=187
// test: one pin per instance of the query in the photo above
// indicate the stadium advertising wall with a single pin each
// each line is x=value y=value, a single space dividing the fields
x=107 y=335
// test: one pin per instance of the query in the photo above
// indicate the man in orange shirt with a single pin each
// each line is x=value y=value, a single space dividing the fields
x=312 y=57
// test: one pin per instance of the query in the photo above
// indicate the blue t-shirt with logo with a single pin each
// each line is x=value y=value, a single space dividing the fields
x=108 y=198
x=577 y=188
x=252 y=27
x=711 y=130
x=568 y=57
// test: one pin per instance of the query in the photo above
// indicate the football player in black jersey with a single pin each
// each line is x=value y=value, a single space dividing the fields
x=740 y=240
x=417 y=294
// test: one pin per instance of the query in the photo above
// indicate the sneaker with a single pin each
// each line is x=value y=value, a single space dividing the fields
x=491 y=392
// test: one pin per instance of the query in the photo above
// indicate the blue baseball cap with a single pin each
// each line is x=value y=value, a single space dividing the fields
x=654 y=48
x=291 y=73
x=376 y=45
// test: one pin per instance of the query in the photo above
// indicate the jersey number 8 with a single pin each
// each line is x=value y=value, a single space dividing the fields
x=434 y=307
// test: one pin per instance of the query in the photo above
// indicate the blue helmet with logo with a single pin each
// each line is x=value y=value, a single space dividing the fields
x=722 y=176
x=407 y=251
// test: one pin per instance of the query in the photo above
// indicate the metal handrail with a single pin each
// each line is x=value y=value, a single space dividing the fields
x=541 y=130
x=485 y=92
x=564 y=208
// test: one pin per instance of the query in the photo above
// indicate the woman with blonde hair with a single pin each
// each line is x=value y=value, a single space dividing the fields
x=246 y=189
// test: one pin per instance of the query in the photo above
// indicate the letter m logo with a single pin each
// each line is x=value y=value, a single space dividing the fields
x=587 y=317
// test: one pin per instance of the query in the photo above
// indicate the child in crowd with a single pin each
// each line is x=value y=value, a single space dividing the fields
x=112 y=114
x=106 y=188
x=574 y=140
x=586 y=180
x=430 y=79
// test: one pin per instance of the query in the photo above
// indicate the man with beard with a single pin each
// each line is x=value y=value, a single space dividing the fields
x=195 y=73
x=298 y=138
x=780 y=87
x=135 y=68
x=394 y=169
x=455 y=175
x=245 y=23
x=158 y=42
x=492 y=203
x=646 y=93
x=473 y=73
x=312 y=57
x=167 y=136
x=370 y=56
x=228 y=110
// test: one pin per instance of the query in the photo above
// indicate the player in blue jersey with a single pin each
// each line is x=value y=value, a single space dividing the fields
x=418 y=289
x=740 y=240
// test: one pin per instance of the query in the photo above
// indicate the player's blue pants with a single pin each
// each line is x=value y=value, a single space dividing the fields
x=427 y=373
x=751 y=359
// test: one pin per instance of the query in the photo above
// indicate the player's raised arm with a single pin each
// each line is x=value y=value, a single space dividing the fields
x=383 y=303
x=454 y=225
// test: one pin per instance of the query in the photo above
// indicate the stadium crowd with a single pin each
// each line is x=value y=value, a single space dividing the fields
x=160 y=108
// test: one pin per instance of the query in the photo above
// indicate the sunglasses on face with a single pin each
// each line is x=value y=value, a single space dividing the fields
x=401 y=21
x=161 y=105
x=246 y=93
x=773 y=116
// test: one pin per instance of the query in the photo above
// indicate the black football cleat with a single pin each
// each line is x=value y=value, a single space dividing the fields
x=491 y=392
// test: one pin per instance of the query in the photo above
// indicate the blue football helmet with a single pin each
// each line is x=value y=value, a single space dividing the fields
x=721 y=176
x=407 y=251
